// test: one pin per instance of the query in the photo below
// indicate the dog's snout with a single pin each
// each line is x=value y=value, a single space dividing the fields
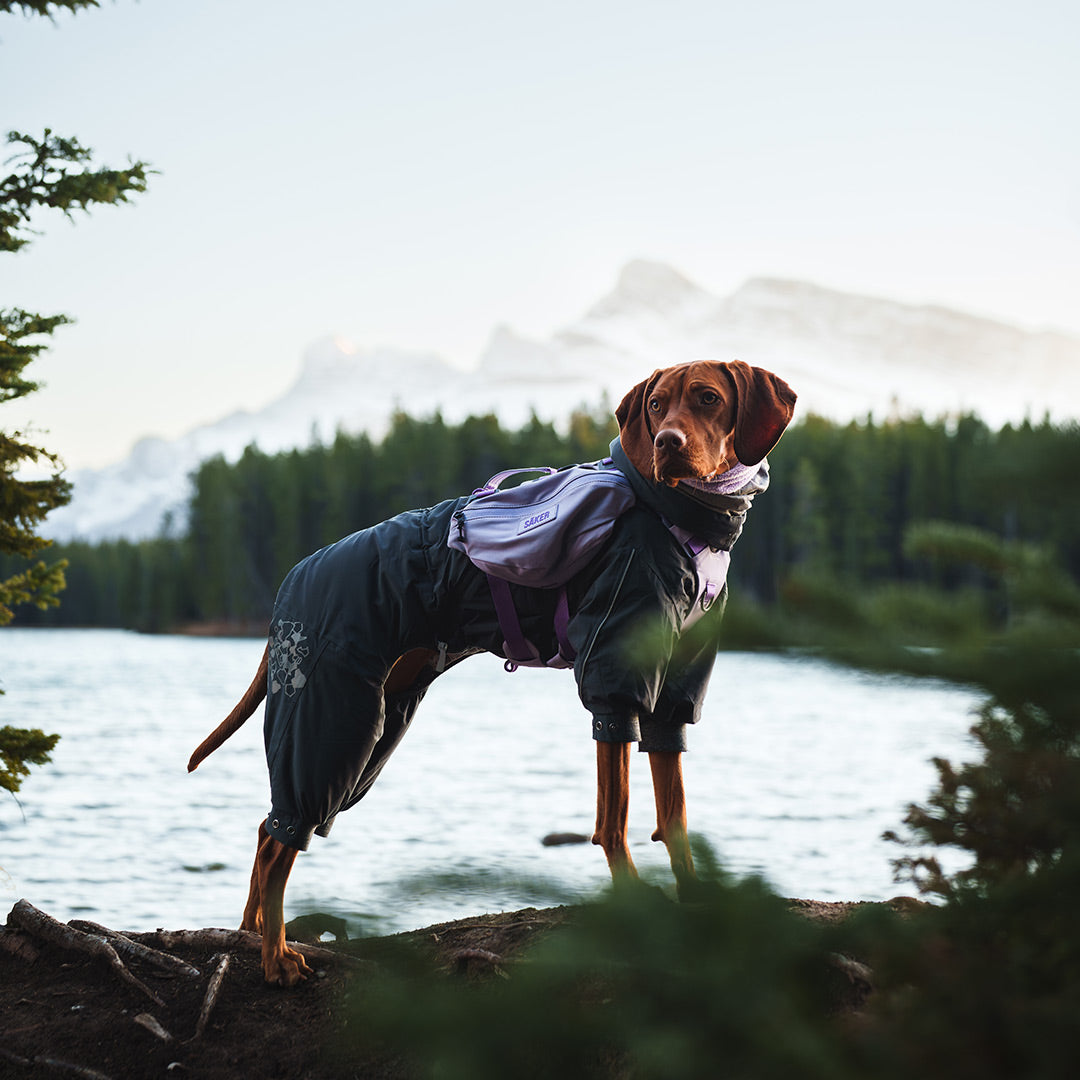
x=669 y=439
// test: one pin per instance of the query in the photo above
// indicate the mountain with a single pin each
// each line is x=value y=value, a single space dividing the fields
x=846 y=355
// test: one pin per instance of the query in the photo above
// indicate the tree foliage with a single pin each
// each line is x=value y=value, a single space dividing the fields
x=836 y=523
x=45 y=178
x=19 y=749
x=50 y=173
x=46 y=7
x=25 y=503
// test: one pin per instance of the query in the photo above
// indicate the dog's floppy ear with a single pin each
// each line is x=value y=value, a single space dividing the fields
x=763 y=410
x=634 y=434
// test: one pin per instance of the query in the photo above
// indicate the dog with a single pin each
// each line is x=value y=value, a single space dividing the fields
x=361 y=629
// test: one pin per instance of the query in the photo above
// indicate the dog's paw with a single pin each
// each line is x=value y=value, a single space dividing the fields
x=285 y=969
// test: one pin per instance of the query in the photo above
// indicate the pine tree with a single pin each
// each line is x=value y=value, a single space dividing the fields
x=50 y=173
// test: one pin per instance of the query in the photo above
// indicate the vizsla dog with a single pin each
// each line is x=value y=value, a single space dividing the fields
x=360 y=630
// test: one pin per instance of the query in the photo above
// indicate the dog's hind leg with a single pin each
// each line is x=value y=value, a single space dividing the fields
x=253 y=908
x=670 y=794
x=265 y=911
x=613 y=807
x=407 y=669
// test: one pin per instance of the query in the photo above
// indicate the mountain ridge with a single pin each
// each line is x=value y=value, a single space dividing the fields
x=847 y=355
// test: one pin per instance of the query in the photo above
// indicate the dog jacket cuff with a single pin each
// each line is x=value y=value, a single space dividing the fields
x=663 y=737
x=615 y=727
x=288 y=831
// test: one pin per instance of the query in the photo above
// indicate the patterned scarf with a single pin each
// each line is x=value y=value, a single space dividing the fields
x=729 y=483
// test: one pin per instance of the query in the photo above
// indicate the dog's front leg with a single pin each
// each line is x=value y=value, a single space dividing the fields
x=613 y=806
x=670 y=796
x=265 y=911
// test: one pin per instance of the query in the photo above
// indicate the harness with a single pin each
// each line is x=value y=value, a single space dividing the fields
x=542 y=532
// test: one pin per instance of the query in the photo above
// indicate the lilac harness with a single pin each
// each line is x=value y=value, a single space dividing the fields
x=542 y=532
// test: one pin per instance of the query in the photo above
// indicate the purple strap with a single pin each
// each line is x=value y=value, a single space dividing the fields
x=519 y=650
x=493 y=484
x=562 y=626
x=694 y=545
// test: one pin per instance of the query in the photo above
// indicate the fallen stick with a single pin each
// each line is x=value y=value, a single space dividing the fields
x=151 y=1024
x=213 y=989
x=463 y=956
x=858 y=974
x=52 y=1063
x=135 y=950
x=240 y=939
x=27 y=917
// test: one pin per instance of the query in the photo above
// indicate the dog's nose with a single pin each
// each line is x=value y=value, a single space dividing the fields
x=669 y=439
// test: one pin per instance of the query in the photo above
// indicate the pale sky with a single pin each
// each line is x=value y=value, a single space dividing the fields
x=413 y=173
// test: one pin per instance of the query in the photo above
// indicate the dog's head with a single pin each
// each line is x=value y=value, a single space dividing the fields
x=697 y=420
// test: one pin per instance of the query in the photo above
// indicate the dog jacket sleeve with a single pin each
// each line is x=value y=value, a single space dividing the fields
x=639 y=679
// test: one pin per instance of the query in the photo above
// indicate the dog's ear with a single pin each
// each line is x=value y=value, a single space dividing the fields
x=763 y=410
x=634 y=434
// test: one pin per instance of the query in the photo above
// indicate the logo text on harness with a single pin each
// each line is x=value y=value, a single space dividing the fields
x=536 y=520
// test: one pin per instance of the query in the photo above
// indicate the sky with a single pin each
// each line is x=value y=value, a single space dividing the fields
x=416 y=173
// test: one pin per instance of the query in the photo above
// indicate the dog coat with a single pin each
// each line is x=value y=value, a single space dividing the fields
x=344 y=615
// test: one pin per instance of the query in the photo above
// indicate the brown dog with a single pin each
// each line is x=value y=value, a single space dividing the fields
x=693 y=423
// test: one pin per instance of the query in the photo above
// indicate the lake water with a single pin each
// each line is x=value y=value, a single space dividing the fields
x=793 y=776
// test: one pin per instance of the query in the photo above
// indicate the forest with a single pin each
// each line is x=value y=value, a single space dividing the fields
x=842 y=503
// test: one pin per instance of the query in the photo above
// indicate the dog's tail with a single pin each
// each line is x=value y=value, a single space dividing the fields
x=231 y=724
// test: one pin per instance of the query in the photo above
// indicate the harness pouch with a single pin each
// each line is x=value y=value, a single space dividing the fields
x=542 y=532
x=539 y=534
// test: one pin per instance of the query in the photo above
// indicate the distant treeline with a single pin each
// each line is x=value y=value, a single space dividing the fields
x=841 y=498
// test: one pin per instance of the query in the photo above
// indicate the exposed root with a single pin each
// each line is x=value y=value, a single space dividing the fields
x=213 y=989
x=153 y=1026
x=214 y=938
x=135 y=950
x=55 y=1064
x=29 y=918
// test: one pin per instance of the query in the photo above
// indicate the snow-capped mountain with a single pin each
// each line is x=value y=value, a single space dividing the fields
x=846 y=356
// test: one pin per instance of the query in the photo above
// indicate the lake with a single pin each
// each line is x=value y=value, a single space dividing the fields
x=793 y=776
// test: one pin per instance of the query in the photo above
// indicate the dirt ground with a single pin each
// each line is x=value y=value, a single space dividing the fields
x=66 y=1014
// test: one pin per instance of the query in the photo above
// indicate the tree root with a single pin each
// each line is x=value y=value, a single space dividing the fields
x=859 y=975
x=135 y=950
x=55 y=1064
x=241 y=939
x=27 y=925
x=463 y=957
x=29 y=918
x=152 y=1025
x=212 y=991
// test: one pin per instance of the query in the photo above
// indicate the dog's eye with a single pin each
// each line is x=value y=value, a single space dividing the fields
x=709 y=397
x=654 y=404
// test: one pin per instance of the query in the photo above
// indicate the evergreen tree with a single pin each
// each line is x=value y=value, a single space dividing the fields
x=54 y=173
x=45 y=7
